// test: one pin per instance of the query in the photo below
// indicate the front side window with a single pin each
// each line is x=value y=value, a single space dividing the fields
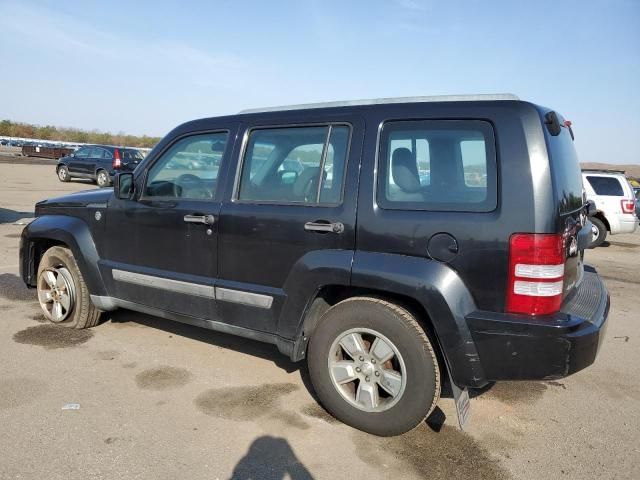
x=608 y=186
x=295 y=165
x=189 y=169
x=83 y=152
x=439 y=165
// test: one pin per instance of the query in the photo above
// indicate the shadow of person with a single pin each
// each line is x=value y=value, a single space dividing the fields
x=270 y=458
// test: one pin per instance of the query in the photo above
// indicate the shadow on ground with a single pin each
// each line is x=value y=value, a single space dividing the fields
x=270 y=458
x=10 y=216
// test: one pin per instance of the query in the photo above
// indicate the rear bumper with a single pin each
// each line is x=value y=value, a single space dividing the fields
x=517 y=347
x=623 y=223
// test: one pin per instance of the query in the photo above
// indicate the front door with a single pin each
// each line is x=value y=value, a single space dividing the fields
x=162 y=245
x=289 y=209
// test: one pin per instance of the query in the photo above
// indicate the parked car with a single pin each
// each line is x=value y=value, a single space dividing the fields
x=615 y=203
x=636 y=192
x=387 y=283
x=97 y=162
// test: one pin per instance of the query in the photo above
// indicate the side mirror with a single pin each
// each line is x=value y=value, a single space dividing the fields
x=591 y=208
x=123 y=185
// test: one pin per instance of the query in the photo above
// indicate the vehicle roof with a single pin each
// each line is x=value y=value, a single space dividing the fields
x=603 y=172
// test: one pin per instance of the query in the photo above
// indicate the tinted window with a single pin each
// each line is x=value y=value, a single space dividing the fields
x=132 y=155
x=565 y=170
x=189 y=169
x=609 y=186
x=284 y=165
x=446 y=165
x=97 y=153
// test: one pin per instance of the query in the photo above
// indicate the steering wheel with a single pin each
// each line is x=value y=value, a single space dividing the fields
x=188 y=185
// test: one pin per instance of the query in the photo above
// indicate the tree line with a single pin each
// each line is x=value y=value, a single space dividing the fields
x=75 y=135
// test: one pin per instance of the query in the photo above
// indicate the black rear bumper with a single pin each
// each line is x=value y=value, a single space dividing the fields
x=518 y=347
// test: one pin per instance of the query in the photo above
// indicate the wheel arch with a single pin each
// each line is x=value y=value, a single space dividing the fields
x=431 y=291
x=60 y=230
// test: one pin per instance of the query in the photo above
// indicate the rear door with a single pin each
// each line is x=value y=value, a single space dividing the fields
x=288 y=210
x=567 y=185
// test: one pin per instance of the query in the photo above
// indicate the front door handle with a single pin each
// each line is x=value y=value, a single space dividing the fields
x=205 y=219
x=335 y=227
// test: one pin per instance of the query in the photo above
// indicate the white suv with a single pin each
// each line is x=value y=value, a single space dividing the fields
x=615 y=203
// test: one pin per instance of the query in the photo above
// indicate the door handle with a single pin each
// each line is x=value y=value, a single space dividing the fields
x=205 y=219
x=336 y=227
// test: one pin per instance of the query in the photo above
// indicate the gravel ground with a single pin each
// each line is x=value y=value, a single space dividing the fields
x=163 y=400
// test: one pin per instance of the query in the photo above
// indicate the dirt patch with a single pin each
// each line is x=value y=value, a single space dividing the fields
x=12 y=288
x=163 y=378
x=250 y=403
x=107 y=354
x=316 y=411
x=449 y=453
x=110 y=440
x=15 y=392
x=4 y=308
x=624 y=244
x=39 y=317
x=13 y=235
x=52 y=336
x=516 y=392
x=130 y=365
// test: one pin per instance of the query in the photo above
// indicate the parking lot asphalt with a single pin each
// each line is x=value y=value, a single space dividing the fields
x=161 y=400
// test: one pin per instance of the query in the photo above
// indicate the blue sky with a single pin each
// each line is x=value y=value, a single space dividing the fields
x=144 y=67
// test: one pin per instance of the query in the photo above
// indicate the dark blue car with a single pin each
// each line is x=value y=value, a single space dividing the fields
x=97 y=162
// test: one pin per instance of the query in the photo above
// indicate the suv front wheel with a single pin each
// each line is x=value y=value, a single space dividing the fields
x=62 y=292
x=373 y=366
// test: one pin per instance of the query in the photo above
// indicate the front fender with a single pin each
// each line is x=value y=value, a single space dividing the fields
x=441 y=293
x=70 y=231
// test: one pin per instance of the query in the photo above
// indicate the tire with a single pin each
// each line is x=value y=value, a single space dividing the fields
x=63 y=174
x=102 y=178
x=416 y=362
x=599 y=230
x=81 y=313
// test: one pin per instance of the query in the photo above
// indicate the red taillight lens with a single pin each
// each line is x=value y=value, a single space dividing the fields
x=536 y=273
x=627 y=206
x=117 y=162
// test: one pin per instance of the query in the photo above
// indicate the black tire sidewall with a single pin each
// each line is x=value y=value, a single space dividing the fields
x=57 y=257
x=422 y=387
x=602 y=232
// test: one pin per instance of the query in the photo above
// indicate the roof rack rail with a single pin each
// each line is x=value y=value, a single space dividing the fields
x=603 y=170
x=380 y=101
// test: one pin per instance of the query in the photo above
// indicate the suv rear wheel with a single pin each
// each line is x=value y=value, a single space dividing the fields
x=102 y=179
x=598 y=232
x=373 y=366
x=62 y=292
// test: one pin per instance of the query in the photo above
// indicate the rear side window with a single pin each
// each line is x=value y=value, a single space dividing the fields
x=608 y=186
x=439 y=165
x=299 y=165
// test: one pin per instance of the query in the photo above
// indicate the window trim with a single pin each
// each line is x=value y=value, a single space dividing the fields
x=377 y=177
x=242 y=157
x=147 y=169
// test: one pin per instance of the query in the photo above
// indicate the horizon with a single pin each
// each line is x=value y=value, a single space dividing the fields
x=143 y=69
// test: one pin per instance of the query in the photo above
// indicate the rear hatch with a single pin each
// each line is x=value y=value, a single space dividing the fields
x=569 y=197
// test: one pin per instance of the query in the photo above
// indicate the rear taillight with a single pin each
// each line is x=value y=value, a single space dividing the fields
x=117 y=161
x=627 y=206
x=536 y=273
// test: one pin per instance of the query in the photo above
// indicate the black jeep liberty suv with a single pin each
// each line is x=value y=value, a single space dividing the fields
x=392 y=244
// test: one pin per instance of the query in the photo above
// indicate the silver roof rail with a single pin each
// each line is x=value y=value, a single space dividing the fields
x=381 y=101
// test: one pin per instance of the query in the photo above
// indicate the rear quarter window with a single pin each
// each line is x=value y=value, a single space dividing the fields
x=437 y=165
x=607 y=186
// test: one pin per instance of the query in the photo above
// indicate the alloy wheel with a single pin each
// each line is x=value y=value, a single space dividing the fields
x=56 y=293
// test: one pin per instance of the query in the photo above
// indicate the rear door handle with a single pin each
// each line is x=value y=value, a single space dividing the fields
x=205 y=219
x=335 y=227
